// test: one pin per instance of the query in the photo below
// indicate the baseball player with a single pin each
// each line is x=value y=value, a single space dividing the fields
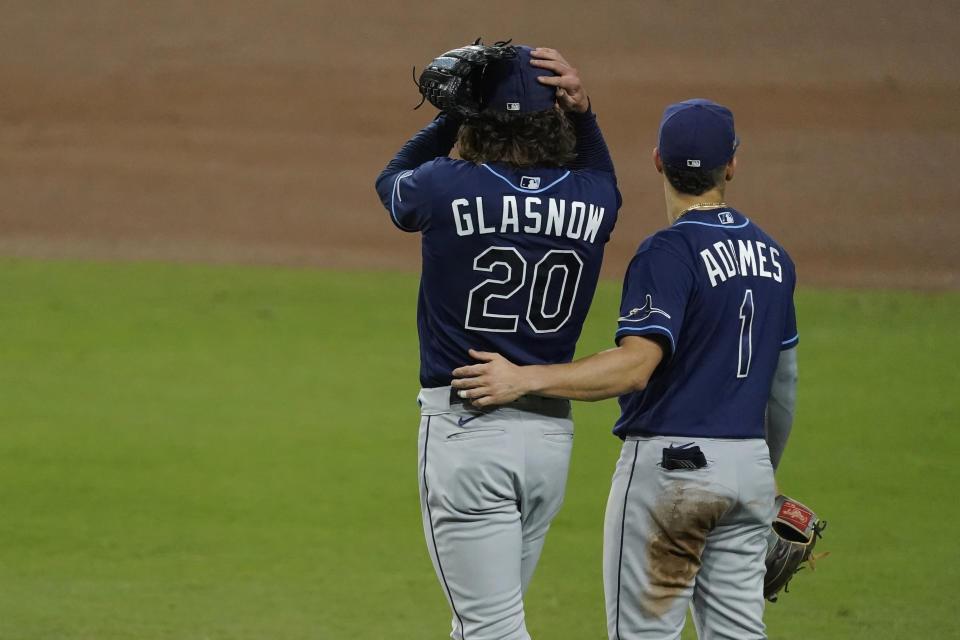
x=706 y=352
x=512 y=241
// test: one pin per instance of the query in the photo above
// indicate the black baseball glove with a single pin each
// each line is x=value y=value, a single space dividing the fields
x=451 y=82
x=790 y=543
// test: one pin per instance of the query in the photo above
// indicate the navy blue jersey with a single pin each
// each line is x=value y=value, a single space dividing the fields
x=718 y=293
x=511 y=256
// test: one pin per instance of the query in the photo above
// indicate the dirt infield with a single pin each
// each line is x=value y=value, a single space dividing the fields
x=252 y=132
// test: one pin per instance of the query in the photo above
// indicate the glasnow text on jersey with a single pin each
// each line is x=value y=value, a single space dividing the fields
x=555 y=217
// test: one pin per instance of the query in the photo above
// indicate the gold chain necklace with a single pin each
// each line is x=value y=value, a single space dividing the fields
x=703 y=205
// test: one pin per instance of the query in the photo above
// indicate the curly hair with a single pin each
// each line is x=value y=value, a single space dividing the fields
x=695 y=181
x=542 y=138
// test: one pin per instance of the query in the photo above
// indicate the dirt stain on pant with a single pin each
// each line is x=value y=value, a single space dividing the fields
x=680 y=522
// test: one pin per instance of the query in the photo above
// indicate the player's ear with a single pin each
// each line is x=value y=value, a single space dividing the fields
x=657 y=162
x=731 y=168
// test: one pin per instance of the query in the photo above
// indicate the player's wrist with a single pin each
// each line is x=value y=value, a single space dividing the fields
x=532 y=378
x=581 y=107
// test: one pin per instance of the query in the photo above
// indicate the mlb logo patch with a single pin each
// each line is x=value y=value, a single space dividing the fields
x=526 y=182
x=725 y=217
x=693 y=163
x=513 y=106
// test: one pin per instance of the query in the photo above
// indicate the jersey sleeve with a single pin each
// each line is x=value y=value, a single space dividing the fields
x=403 y=184
x=407 y=200
x=790 y=334
x=655 y=294
x=592 y=152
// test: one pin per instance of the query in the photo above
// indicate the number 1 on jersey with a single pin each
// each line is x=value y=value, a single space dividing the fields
x=745 y=352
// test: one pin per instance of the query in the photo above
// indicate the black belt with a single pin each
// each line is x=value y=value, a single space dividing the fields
x=552 y=407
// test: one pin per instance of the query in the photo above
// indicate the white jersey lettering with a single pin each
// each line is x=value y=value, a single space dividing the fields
x=713 y=268
x=462 y=220
x=555 y=217
x=511 y=216
x=762 y=260
x=480 y=225
x=593 y=223
x=726 y=258
x=578 y=212
x=778 y=274
x=746 y=258
x=530 y=214
x=574 y=220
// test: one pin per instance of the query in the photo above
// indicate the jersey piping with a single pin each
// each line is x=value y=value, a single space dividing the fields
x=516 y=188
x=396 y=196
x=746 y=221
x=656 y=328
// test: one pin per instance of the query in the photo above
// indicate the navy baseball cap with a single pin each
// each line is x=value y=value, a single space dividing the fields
x=511 y=85
x=697 y=134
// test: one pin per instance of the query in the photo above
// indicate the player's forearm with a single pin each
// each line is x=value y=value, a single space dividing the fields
x=592 y=149
x=781 y=404
x=603 y=375
x=433 y=141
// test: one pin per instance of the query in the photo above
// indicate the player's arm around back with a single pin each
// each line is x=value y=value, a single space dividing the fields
x=624 y=369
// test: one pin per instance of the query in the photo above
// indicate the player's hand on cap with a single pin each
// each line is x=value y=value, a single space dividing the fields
x=571 y=95
x=495 y=380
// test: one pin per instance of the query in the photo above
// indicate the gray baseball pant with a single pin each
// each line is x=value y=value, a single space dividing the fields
x=692 y=537
x=491 y=481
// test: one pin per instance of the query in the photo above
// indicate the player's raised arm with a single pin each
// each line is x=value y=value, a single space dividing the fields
x=452 y=83
x=592 y=152
x=607 y=374
x=433 y=141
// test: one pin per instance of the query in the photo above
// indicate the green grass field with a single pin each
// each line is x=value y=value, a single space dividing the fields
x=200 y=452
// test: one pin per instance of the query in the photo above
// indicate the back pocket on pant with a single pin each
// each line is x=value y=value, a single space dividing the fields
x=471 y=434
